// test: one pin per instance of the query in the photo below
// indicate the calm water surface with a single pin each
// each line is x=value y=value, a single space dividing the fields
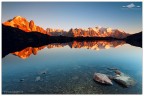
x=69 y=68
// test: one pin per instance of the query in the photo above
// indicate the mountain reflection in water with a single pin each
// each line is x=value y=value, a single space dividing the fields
x=93 y=45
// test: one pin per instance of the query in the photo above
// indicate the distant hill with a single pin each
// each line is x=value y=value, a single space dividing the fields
x=135 y=39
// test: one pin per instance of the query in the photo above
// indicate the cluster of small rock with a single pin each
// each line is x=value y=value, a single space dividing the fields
x=38 y=78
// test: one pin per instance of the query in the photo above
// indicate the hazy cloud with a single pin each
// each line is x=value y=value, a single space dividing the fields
x=131 y=5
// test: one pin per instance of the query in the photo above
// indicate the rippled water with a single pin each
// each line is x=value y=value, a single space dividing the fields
x=69 y=69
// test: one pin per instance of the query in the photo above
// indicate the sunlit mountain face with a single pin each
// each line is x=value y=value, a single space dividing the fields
x=23 y=24
x=29 y=26
x=91 y=45
x=89 y=32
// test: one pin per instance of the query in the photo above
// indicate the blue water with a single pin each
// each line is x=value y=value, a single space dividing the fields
x=70 y=71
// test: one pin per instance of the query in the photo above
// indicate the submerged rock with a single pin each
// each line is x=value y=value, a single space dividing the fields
x=75 y=77
x=124 y=80
x=21 y=80
x=38 y=78
x=102 y=78
x=119 y=77
x=43 y=72
x=112 y=68
x=118 y=72
x=111 y=77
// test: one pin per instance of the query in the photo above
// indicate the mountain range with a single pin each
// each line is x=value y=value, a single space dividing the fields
x=29 y=26
x=18 y=34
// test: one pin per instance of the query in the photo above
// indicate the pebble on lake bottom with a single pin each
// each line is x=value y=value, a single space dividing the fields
x=38 y=78
x=21 y=80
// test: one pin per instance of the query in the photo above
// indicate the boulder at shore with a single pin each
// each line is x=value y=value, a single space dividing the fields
x=102 y=78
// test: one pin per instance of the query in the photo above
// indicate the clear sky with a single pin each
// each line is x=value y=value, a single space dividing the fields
x=126 y=16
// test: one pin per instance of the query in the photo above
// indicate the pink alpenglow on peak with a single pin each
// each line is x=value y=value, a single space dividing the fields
x=25 y=25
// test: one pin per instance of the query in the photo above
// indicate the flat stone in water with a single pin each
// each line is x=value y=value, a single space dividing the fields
x=124 y=80
x=102 y=78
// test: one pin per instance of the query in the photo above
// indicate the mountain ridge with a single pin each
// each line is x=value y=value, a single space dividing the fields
x=29 y=26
